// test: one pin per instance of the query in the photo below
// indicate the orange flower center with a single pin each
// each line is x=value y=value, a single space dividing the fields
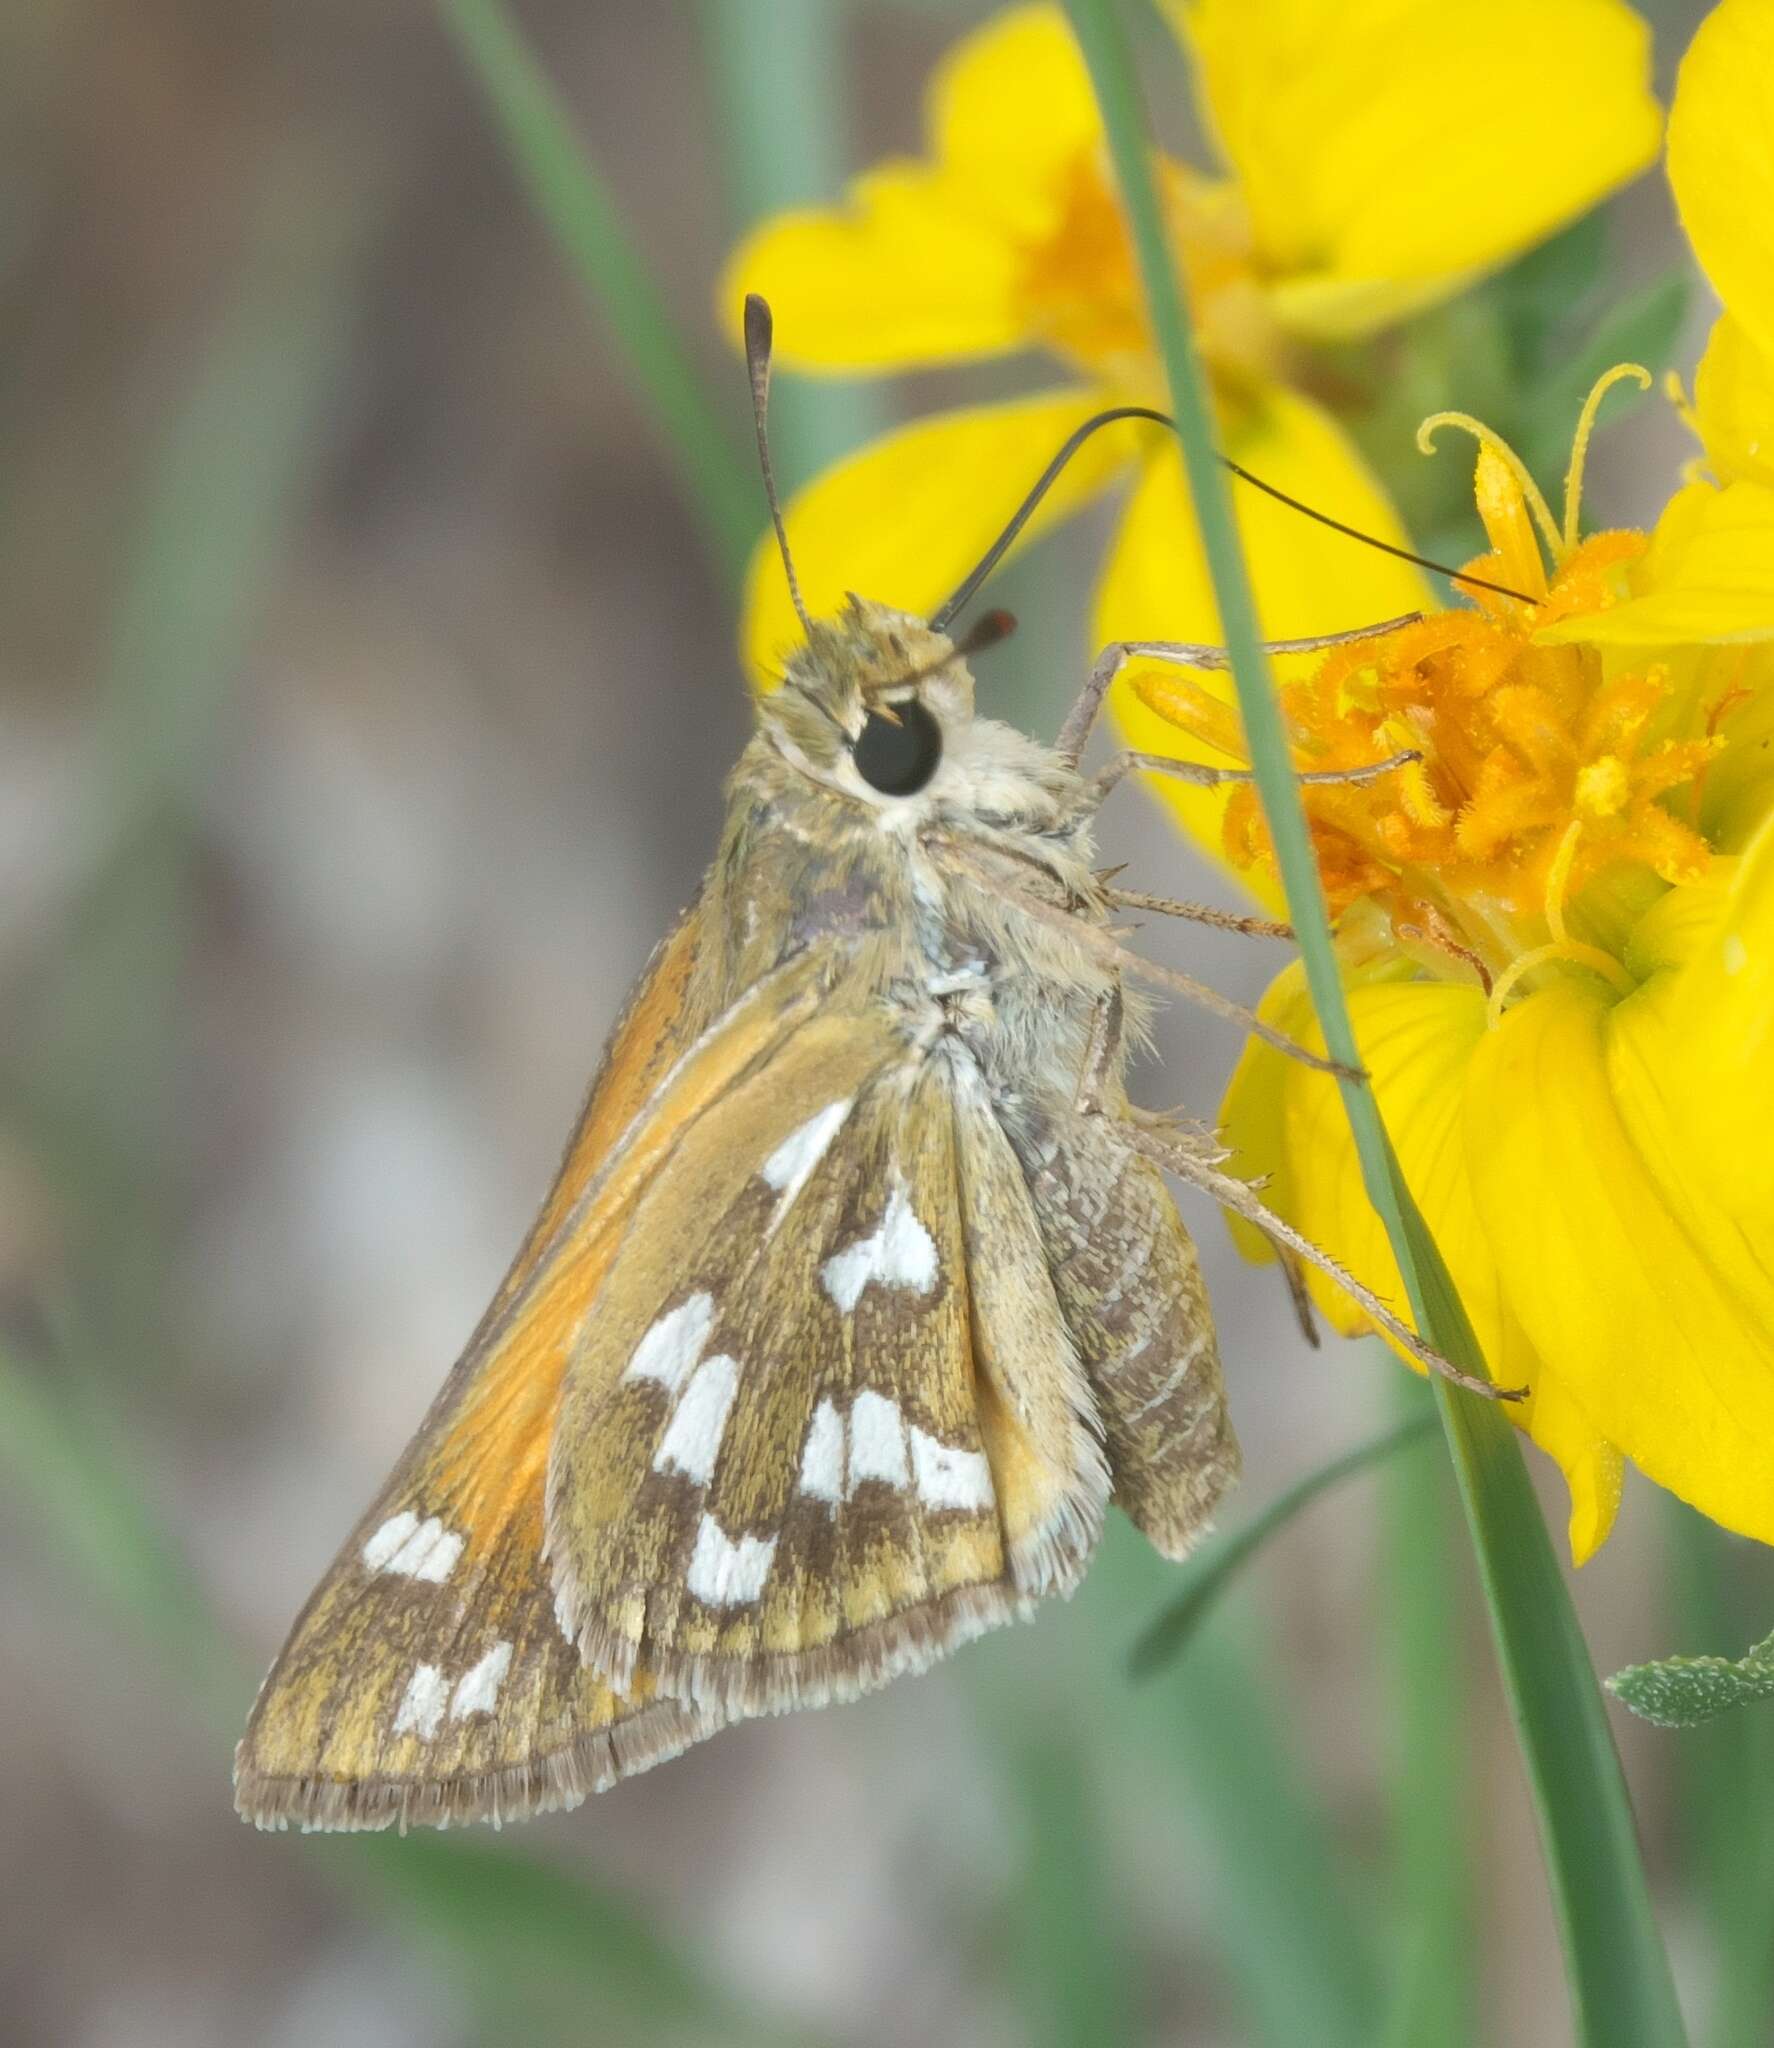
x=1081 y=286
x=1541 y=769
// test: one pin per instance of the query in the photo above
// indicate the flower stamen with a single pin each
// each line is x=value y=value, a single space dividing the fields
x=1492 y=444
x=1580 y=442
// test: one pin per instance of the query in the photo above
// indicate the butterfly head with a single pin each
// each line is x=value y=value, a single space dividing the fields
x=879 y=706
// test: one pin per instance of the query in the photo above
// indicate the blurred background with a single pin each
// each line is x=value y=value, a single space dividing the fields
x=366 y=686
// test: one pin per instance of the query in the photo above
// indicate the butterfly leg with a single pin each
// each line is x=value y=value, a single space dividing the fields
x=1005 y=879
x=1175 y=1152
x=1119 y=766
x=1200 y=913
x=1102 y=1053
x=1081 y=719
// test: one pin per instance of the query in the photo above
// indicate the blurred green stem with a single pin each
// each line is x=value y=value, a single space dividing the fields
x=1421 y=1578
x=1619 y=1978
x=782 y=102
x=569 y=192
x=1072 y=1967
x=1298 y=1951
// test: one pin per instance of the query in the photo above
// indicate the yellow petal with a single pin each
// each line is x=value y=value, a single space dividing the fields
x=908 y=272
x=925 y=261
x=1593 y=1468
x=1008 y=111
x=1734 y=404
x=1704 y=1034
x=1652 y=1306
x=1407 y=144
x=1721 y=158
x=1417 y=1040
x=904 y=519
x=1709 y=576
x=1307 y=579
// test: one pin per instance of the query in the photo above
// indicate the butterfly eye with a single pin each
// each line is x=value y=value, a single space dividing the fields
x=898 y=755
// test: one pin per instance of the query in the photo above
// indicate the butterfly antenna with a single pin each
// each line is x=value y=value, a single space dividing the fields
x=970 y=583
x=759 y=328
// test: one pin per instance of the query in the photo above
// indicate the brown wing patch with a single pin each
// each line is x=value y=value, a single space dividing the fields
x=1129 y=1282
x=776 y=1479
x=420 y=1689
x=428 y=1679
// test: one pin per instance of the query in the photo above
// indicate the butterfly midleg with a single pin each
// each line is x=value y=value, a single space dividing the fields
x=1173 y=1150
x=1200 y=913
x=1081 y=720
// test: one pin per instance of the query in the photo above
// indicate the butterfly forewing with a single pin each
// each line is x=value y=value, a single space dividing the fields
x=429 y=1678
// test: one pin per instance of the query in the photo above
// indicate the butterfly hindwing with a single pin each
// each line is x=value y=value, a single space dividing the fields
x=429 y=1678
x=1129 y=1282
x=803 y=1447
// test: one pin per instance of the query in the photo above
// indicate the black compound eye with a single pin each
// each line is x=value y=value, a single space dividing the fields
x=898 y=759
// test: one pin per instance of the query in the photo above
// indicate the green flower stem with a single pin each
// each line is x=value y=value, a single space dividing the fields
x=1620 y=1984
x=570 y=194
x=1422 y=1620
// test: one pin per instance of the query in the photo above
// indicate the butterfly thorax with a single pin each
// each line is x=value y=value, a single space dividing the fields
x=893 y=884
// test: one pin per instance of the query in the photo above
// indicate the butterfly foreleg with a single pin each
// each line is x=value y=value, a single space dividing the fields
x=1121 y=765
x=1081 y=720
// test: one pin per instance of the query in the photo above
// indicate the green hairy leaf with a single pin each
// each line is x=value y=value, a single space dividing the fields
x=1680 y=1692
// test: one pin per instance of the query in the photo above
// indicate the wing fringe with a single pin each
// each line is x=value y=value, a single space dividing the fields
x=553 y=1783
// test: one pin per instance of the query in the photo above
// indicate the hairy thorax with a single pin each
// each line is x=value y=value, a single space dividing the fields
x=902 y=895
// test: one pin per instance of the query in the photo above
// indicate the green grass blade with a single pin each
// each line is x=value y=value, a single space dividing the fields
x=515 y=1933
x=1070 y=1964
x=1421 y=1577
x=542 y=1947
x=1207 y=1574
x=755 y=69
x=570 y=194
x=1214 y=1748
x=1618 y=1973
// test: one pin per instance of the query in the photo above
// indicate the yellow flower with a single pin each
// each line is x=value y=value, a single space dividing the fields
x=1558 y=928
x=1376 y=156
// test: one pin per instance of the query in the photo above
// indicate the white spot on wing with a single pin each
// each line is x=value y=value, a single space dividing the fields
x=386 y=1542
x=822 y=1456
x=670 y=1349
x=787 y=1168
x=877 y=1441
x=900 y=1252
x=477 y=1690
x=692 y=1440
x=414 y=1549
x=1735 y=953
x=724 y=1573
x=422 y=1704
x=949 y=1476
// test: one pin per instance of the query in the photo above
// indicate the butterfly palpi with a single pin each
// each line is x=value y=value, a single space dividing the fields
x=858 y=1299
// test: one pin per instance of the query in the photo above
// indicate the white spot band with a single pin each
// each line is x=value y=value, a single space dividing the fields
x=724 y=1573
x=900 y=1252
x=414 y=1549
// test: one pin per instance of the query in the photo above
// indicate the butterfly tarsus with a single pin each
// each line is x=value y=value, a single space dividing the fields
x=1197 y=773
x=1198 y=913
x=1081 y=720
x=1174 y=1151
